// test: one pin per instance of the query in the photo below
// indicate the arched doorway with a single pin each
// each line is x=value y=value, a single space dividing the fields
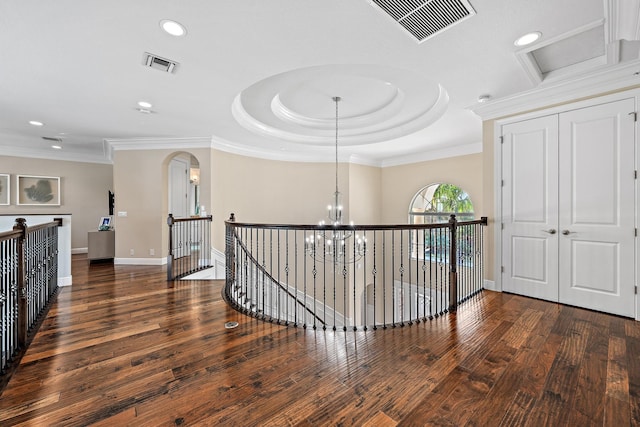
x=184 y=186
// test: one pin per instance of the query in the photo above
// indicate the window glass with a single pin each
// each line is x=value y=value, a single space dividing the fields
x=434 y=204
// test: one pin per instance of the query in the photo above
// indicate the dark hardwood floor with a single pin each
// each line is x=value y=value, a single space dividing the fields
x=124 y=347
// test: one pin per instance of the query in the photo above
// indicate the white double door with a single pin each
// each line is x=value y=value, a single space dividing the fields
x=568 y=208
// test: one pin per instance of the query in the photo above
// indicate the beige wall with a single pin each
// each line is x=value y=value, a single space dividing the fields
x=84 y=188
x=488 y=198
x=365 y=203
x=270 y=191
x=256 y=190
x=140 y=181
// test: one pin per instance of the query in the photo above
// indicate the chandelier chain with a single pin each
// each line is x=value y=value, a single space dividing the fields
x=336 y=99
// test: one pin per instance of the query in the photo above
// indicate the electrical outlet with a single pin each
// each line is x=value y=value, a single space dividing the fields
x=131 y=251
x=152 y=251
x=122 y=214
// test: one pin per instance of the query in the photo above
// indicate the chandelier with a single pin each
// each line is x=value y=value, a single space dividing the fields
x=334 y=245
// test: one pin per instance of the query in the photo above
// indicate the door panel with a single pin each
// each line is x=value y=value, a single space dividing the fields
x=178 y=203
x=530 y=206
x=597 y=207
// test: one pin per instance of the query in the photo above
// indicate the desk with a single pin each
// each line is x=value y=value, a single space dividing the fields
x=102 y=244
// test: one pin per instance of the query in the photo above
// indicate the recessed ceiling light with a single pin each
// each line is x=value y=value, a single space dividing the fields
x=36 y=123
x=145 y=104
x=57 y=147
x=172 y=27
x=527 y=38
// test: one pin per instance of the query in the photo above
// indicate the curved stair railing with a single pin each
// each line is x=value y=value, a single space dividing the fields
x=352 y=277
x=249 y=298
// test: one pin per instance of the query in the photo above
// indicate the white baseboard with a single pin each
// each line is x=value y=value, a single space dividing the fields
x=75 y=251
x=218 y=263
x=65 y=281
x=490 y=285
x=140 y=261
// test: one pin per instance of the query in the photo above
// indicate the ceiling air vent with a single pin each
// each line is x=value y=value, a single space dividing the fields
x=426 y=18
x=48 y=138
x=159 y=63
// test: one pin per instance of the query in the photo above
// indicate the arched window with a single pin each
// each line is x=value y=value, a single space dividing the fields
x=435 y=202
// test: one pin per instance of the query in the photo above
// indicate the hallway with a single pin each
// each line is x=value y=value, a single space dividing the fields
x=121 y=347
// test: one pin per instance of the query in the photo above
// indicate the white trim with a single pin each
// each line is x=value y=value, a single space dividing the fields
x=324 y=155
x=497 y=206
x=570 y=106
x=528 y=62
x=140 y=261
x=158 y=143
x=497 y=169
x=76 y=251
x=490 y=285
x=219 y=263
x=605 y=79
x=309 y=155
x=624 y=16
x=49 y=154
x=65 y=281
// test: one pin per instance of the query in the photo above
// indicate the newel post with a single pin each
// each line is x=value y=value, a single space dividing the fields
x=170 y=222
x=453 y=263
x=229 y=252
x=23 y=283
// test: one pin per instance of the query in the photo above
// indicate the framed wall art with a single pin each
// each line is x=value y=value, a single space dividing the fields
x=38 y=190
x=5 y=189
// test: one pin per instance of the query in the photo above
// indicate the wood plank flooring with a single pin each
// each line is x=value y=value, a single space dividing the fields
x=124 y=347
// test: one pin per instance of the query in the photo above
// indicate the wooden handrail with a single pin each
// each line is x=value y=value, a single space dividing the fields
x=397 y=257
x=175 y=271
x=191 y=218
x=8 y=235
x=368 y=227
x=16 y=232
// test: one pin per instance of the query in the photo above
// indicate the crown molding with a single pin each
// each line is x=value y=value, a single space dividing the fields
x=328 y=156
x=620 y=76
x=311 y=154
x=159 y=143
x=49 y=154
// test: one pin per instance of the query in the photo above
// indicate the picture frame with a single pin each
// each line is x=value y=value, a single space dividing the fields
x=105 y=223
x=32 y=190
x=5 y=189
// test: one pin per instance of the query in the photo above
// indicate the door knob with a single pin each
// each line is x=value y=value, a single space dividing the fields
x=566 y=232
x=550 y=231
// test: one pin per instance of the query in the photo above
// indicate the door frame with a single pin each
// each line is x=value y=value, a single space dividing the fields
x=497 y=173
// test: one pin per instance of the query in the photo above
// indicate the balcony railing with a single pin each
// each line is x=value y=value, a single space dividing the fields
x=189 y=245
x=28 y=283
x=352 y=277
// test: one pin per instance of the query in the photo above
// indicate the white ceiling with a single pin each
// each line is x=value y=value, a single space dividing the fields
x=256 y=77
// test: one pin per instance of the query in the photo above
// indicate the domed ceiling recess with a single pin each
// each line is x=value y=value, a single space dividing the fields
x=379 y=103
